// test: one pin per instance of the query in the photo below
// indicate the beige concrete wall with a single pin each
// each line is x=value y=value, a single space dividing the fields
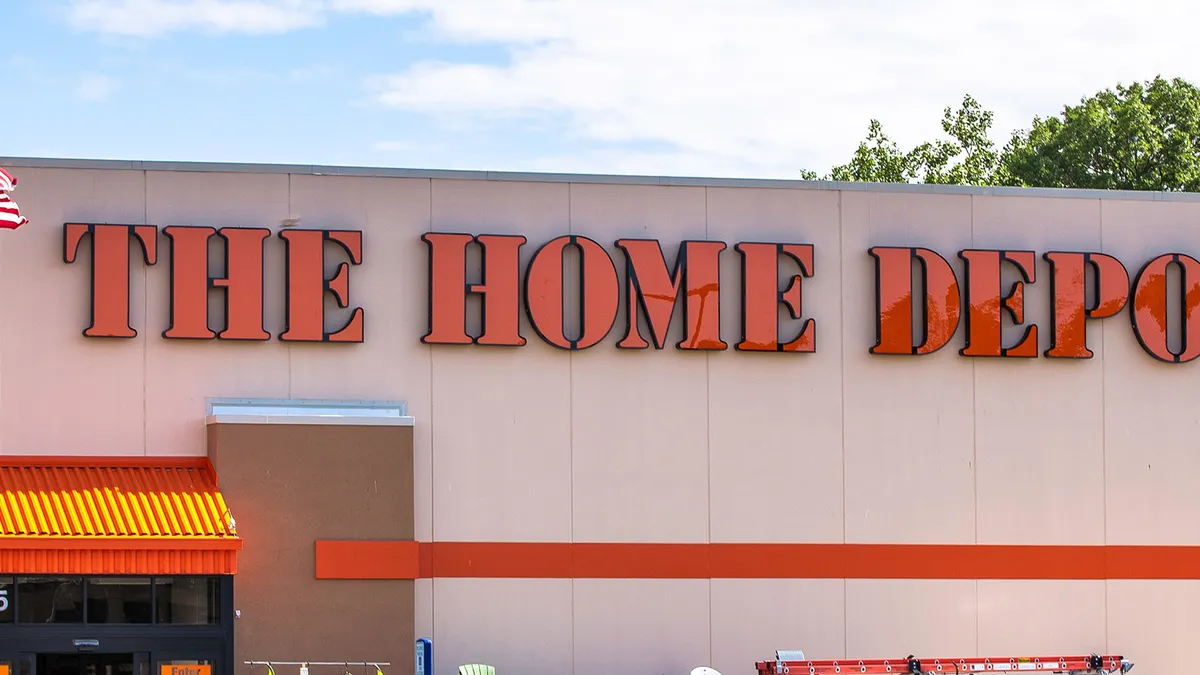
x=537 y=444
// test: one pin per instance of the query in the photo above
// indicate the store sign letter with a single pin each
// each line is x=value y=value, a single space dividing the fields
x=653 y=290
x=894 y=330
x=1069 y=311
x=307 y=285
x=987 y=301
x=241 y=285
x=1150 y=308
x=590 y=297
x=111 y=268
x=761 y=297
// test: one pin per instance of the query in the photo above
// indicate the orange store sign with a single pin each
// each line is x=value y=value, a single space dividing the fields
x=1083 y=286
x=170 y=669
x=653 y=288
x=242 y=284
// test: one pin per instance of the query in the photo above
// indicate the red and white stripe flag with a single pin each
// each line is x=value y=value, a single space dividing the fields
x=10 y=213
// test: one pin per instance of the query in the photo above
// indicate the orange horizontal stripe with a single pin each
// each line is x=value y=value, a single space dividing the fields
x=121 y=543
x=800 y=561
x=117 y=562
x=517 y=560
x=367 y=560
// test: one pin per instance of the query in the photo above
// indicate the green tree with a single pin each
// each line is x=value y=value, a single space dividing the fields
x=1138 y=137
x=1145 y=136
x=973 y=155
x=877 y=159
x=968 y=157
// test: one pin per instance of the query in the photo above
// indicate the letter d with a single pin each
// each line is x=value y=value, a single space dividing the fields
x=894 y=291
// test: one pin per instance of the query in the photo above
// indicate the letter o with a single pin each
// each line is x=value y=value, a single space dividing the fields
x=599 y=292
x=1148 y=311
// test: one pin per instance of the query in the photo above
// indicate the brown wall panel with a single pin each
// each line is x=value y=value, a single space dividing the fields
x=290 y=485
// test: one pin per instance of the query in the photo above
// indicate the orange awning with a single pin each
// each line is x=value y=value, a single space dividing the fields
x=104 y=515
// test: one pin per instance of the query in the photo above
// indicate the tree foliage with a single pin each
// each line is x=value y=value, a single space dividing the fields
x=1144 y=136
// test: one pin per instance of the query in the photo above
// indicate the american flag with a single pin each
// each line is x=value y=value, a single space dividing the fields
x=10 y=213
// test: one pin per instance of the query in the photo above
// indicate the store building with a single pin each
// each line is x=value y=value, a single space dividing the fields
x=287 y=414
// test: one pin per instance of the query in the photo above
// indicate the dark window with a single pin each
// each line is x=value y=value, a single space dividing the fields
x=49 y=600
x=119 y=600
x=188 y=600
x=7 y=597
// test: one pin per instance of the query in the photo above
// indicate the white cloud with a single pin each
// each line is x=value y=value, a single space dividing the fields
x=145 y=18
x=96 y=88
x=149 y=18
x=632 y=162
x=765 y=87
x=739 y=87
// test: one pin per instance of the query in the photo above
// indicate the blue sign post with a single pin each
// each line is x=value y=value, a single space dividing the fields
x=424 y=657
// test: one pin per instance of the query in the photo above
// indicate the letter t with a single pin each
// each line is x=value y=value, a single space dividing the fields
x=110 y=271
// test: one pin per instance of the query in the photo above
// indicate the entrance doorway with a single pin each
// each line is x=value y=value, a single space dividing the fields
x=116 y=625
x=85 y=664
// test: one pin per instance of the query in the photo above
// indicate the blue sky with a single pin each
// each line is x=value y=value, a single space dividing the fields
x=681 y=87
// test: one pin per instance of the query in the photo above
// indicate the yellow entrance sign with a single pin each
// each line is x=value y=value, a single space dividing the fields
x=166 y=669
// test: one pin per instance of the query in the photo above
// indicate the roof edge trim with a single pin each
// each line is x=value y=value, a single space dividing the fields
x=35 y=542
x=611 y=179
x=102 y=461
x=312 y=420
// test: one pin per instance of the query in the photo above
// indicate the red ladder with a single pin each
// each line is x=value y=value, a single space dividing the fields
x=794 y=663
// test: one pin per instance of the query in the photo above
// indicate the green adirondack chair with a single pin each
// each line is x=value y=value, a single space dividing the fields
x=476 y=669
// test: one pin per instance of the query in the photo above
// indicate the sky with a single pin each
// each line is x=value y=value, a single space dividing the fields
x=713 y=88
